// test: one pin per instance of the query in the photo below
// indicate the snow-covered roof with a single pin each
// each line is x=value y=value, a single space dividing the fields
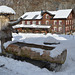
x=6 y=10
x=32 y=15
x=30 y=26
x=52 y=12
x=62 y=13
x=37 y=14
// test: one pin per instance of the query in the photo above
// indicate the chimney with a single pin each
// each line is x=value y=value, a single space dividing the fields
x=41 y=11
x=57 y=8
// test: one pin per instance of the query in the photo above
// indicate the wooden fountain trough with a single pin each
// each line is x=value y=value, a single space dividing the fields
x=23 y=50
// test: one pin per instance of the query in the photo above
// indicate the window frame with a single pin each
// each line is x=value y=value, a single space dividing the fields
x=60 y=22
x=47 y=22
x=55 y=29
x=28 y=22
x=47 y=16
x=23 y=22
x=34 y=22
x=55 y=22
x=60 y=28
x=39 y=22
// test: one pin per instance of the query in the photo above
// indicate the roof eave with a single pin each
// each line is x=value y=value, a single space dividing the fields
x=32 y=19
x=60 y=18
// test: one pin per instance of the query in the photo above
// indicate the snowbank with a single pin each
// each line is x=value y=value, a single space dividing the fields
x=50 y=39
x=8 y=43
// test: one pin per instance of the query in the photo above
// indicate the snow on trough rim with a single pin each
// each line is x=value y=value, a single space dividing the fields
x=8 y=43
x=50 y=39
x=6 y=9
x=38 y=50
x=39 y=40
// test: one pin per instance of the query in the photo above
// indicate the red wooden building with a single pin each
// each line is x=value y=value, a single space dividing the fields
x=60 y=21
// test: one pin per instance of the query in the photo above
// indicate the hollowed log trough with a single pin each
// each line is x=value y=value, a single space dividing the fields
x=24 y=50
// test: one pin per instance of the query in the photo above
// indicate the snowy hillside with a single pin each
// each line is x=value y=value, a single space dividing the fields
x=14 y=67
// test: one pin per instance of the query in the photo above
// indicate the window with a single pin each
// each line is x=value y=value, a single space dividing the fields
x=70 y=27
x=23 y=22
x=47 y=16
x=34 y=22
x=47 y=22
x=39 y=22
x=35 y=16
x=60 y=22
x=67 y=28
x=71 y=16
x=55 y=28
x=70 y=22
x=28 y=22
x=55 y=22
x=60 y=28
x=66 y=22
x=25 y=16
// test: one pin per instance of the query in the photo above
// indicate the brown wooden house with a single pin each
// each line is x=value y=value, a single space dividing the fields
x=60 y=21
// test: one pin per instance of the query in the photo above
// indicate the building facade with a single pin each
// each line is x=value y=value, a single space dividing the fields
x=60 y=21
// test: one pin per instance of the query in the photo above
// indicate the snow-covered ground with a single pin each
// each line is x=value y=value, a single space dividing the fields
x=23 y=68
